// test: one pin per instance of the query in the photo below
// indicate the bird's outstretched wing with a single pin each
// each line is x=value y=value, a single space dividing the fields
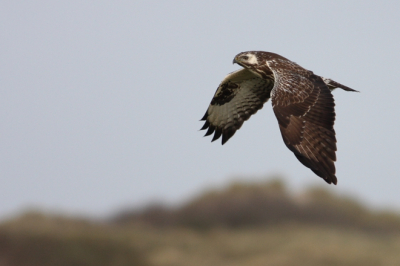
x=304 y=107
x=240 y=95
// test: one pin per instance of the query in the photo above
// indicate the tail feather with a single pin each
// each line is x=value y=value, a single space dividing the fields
x=333 y=85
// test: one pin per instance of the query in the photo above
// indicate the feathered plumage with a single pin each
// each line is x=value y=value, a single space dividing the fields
x=302 y=102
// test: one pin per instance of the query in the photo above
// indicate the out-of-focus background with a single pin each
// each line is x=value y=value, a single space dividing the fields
x=102 y=163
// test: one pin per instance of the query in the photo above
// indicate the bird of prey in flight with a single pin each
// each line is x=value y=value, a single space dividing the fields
x=302 y=102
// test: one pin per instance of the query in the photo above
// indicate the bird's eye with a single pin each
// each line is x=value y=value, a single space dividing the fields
x=245 y=57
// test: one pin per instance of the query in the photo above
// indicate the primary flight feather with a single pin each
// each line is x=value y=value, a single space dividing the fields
x=302 y=102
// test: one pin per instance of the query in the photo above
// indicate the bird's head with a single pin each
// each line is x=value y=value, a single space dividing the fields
x=246 y=59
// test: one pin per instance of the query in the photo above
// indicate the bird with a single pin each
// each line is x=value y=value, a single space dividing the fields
x=301 y=100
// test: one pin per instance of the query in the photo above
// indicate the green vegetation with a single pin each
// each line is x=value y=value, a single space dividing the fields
x=244 y=224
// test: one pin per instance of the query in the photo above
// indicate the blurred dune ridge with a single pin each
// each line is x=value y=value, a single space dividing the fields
x=242 y=224
x=265 y=204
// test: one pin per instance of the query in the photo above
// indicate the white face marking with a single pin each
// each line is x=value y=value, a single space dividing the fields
x=252 y=59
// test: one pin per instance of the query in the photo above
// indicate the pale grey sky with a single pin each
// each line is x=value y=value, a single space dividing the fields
x=100 y=100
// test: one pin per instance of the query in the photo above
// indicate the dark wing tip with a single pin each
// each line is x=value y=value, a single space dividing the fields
x=217 y=134
x=205 y=116
x=210 y=130
x=326 y=174
x=331 y=180
x=205 y=126
x=228 y=133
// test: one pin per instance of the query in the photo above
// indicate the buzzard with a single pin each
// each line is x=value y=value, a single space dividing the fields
x=302 y=102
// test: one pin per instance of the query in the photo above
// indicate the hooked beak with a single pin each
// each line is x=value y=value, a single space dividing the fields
x=235 y=61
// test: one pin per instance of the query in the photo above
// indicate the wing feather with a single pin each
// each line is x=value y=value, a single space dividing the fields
x=304 y=107
x=240 y=95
